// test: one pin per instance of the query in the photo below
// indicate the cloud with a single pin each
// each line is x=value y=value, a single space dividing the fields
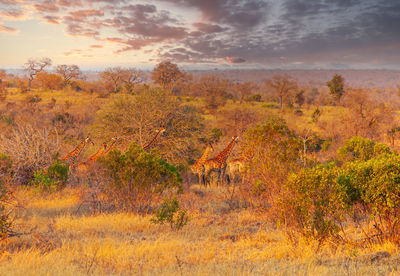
x=230 y=31
x=47 y=6
x=208 y=28
x=87 y=13
x=10 y=30
x=235 y=59
x=14 y=14
x=52 y=19
x=96 y=46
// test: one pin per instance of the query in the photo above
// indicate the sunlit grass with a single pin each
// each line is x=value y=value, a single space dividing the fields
x=237 y=242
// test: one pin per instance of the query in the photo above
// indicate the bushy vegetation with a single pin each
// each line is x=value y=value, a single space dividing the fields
x=137 y=178
x=53 y=179
x=359 y=148
x=5 y=173
x=315 y=201
x=170 y=212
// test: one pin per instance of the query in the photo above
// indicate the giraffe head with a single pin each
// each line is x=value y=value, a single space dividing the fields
x=104 y=145
x=235 y=138
x=115 y=139
x=210 y=147
x=162 y=131
x=89 y=140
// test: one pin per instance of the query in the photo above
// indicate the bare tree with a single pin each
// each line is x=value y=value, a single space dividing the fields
x=112 y=78
x=244 y=89
x=282 y=85
x=69 y=72
x=34 y=66
x=131 y=77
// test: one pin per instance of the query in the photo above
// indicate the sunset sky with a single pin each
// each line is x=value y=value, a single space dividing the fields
x=203 y=33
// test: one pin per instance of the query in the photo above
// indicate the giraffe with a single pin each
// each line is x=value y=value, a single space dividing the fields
x=153 y=142
x=218 y=163
x=112 y=146
x=71 y=157
x=84 y=166
x=198 y=168
x=237 y=166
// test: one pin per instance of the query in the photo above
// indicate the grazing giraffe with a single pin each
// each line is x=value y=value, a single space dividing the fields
x=71 y=157
x=153 y=142
x=218 y=163
x=198 y=168
x=112 y=146
x=84 y=166
x=237 y=166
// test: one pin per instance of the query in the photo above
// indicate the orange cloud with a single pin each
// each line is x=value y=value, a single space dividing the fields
x=5 y=29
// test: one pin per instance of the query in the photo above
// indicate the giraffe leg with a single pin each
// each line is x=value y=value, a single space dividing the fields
x=223 y=173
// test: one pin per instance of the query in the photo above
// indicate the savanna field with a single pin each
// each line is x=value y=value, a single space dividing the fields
x=166 y=172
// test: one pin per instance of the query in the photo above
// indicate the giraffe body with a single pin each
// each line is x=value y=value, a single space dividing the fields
x=218 y=163
x=154 y=140
x=198 y=168
x=237 y=167
x=84 y=166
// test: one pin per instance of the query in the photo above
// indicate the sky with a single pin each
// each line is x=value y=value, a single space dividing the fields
x=296 y=34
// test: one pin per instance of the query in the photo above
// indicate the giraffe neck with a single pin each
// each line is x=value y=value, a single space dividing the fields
x=111 y=147
x=76 y=151
x=96 y=156
x=204 y=157
x=223 y=155
x=152 y=142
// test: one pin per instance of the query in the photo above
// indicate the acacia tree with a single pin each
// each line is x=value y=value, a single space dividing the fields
x=244 y=89
x=137 y=118
x=69 y=72
x=336 y=87
x=166 y=74
x=283 y=86
x=35 y=66
x=215 y=89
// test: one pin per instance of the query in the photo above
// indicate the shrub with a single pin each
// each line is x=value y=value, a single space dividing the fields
x=30 y=147
x=5 y=164
x=377 y=182
x=136 y=178
x=359 y=148
x=254 y=98
x=55 y=177
x=315 y=200
x=170 y=212
x=275 y=150
x=5 y=223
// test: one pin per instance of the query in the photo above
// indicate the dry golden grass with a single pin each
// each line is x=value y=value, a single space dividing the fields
x=68 y=240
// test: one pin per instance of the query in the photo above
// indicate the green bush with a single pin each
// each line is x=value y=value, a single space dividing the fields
x=52 y=180
x=313 y=201
x=359 y=148
x=136 y=178
x=5 y=164
x=377 y=185
x=170 y=212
